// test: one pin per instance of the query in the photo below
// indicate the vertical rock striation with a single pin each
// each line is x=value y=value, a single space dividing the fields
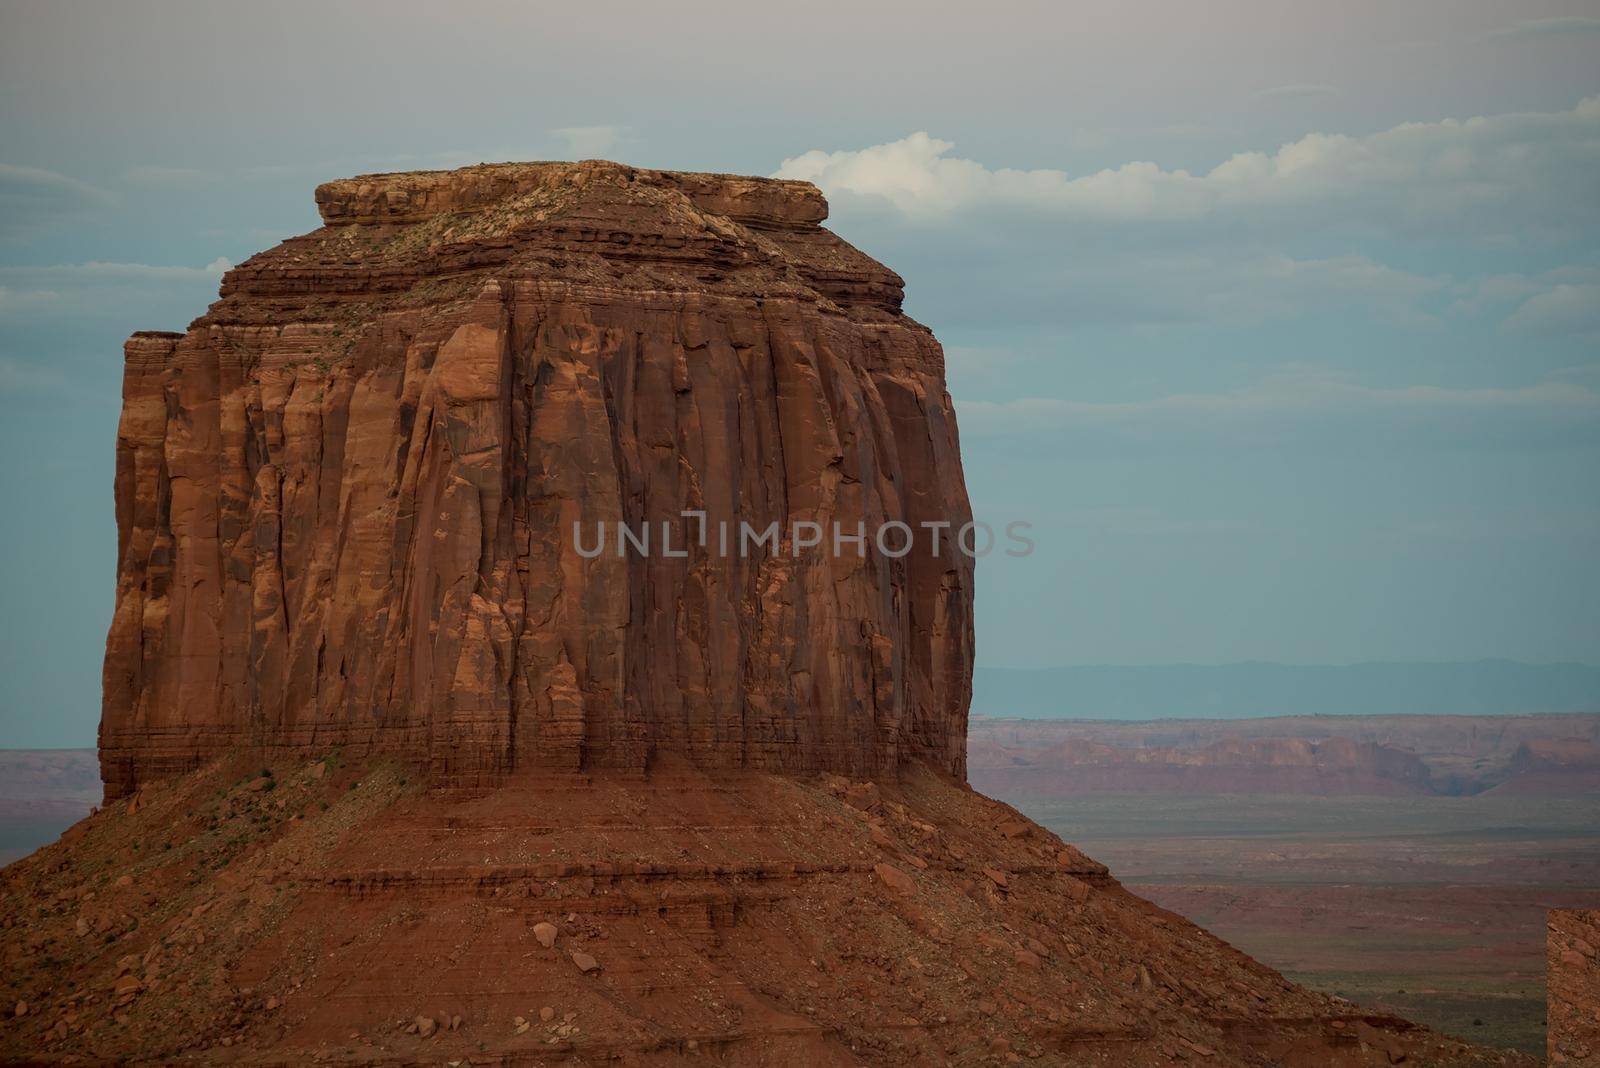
x=346 y=496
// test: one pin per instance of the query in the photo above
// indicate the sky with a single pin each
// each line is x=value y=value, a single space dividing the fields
x=1279 y=321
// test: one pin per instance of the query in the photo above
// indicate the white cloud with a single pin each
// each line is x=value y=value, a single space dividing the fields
x=12 y=299
x=1558 y=524
x=1048 y=282
x=19 y=377
x=1290 y=407
x=98 y=270
x=1505 y=177
x=31 y=197
x=1503 y=287
x=1280 y=286
x=97 y=287
x=1547 y=29
x=590 y=142
x=1298 y=91
x=1561 y=301
x=95 y=305
x=1153 y=522
x=170 y=177
x=1565 y=308
x=981 y=360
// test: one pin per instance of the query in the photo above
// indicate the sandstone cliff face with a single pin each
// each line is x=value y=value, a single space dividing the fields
x=346 y=495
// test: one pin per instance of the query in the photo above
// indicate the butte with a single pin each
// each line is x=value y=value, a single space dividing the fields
x=397 y=774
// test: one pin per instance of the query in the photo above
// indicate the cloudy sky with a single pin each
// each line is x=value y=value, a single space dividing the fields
x=1280 y=321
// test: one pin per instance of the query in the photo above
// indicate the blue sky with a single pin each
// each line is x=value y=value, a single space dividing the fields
x=1279 y=321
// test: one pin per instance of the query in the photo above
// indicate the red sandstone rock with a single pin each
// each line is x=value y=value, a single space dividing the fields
x=345 y=496
x=1573 y=987
x=895 y=879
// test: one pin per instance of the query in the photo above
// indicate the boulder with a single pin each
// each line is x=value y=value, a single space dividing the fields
x=895 y=879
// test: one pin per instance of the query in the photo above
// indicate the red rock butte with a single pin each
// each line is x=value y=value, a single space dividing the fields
x=344 y=502
x=346 y=495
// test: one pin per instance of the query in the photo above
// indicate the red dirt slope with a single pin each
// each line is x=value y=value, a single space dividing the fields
x=231 y=917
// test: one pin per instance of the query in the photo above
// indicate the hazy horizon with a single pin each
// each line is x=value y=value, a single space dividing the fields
x=1256 y=689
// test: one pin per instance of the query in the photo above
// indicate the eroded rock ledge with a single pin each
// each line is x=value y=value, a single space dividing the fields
x=345 y=494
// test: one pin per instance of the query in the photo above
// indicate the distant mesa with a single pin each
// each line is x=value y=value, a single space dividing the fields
x=1326 y=756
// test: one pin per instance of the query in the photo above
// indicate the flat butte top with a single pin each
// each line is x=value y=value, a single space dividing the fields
x=427 y=237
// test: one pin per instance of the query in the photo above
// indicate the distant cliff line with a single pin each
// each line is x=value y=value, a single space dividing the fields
x=1252 y=689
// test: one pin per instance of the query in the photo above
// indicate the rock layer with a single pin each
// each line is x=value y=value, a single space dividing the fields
x=346 y=496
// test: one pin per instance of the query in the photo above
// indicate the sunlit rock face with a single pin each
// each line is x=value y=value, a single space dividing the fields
x=358 y=500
